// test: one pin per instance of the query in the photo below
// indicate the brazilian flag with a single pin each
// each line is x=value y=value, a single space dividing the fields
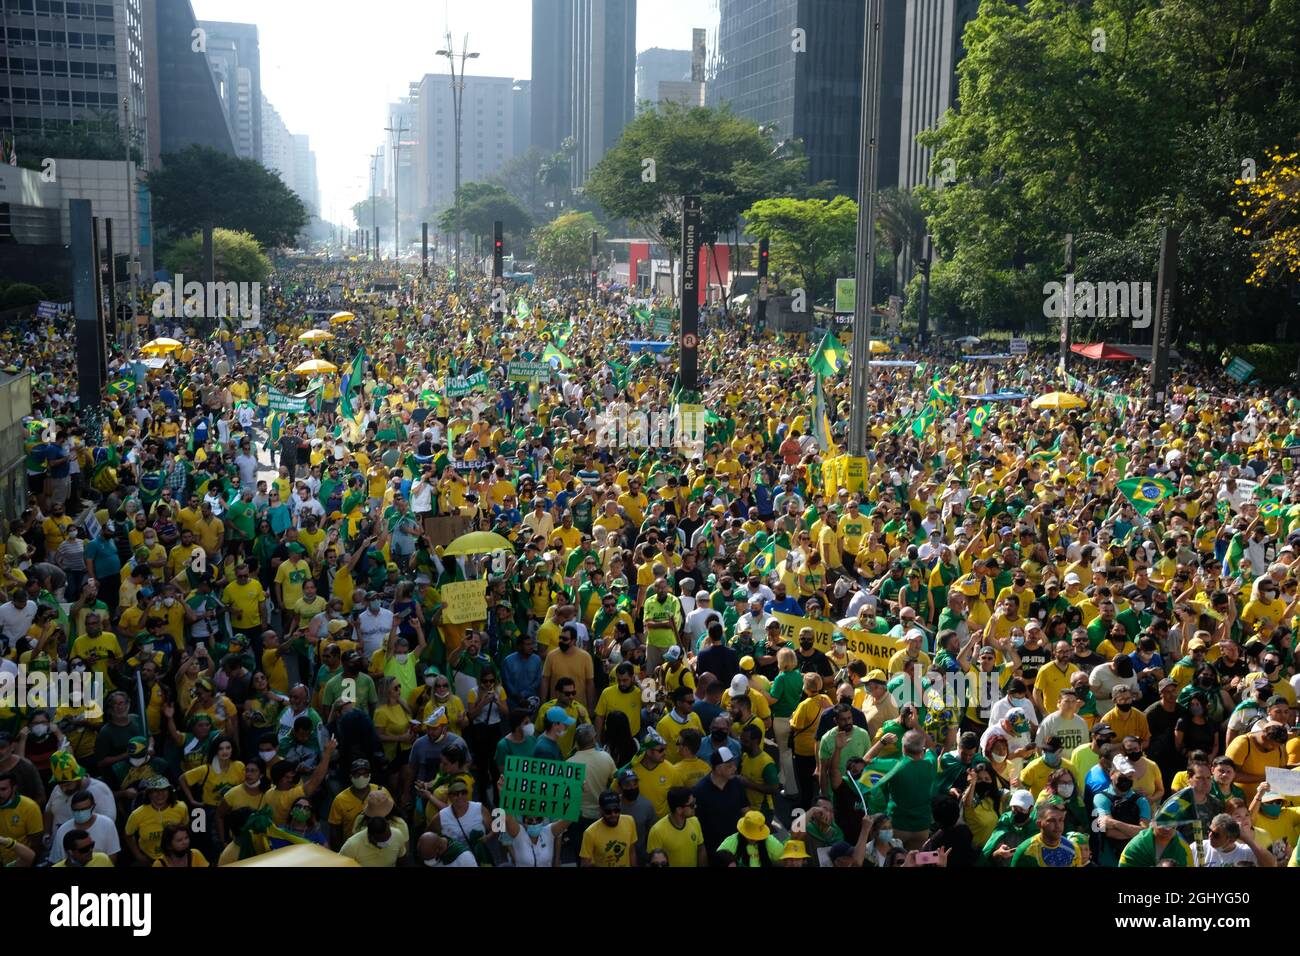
x=978 y=416
x=766 y=559
x=122 y=387
x=1146 y=493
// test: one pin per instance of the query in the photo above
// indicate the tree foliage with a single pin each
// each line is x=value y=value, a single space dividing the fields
x=1270 y=204
x=237 y=257
x=564 y=244
x=1107 y=120
x=675 y=150
x=381 y=217
x=482 y=204
x=811 y=241
x=199 y=186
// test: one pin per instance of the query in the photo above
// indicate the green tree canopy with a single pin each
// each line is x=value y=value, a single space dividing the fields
x=199 y=186
x=237 y=255
x=564 y=244
x=1107 y=120
x=674 y=150
x=811 y=240
x=382 y=217
x=482 y=204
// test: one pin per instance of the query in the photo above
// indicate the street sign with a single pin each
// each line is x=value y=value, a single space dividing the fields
x=1019 y=347
x=845 y=295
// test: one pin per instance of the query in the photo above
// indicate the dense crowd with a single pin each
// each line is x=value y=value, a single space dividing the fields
x=1073 y=673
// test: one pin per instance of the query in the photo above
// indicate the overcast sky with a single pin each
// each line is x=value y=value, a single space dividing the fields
x=331 y=67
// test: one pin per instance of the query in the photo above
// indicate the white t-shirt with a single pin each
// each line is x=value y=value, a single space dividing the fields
x=528 y=852
x=101 y=829
x=59 y=806
x=1238 y=855
x=15 y=622
x=374 y=628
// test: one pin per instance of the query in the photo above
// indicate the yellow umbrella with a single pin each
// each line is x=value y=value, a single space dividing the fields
x=315 y=335
x=878 y=347
x=340 y=317
x=161 y=346
x=317 y=365
x=478 y=542
x=1059 y=401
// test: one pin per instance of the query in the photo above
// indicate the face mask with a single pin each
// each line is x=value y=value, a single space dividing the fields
x=83 y=816
x=360 y=783
x=40 y=730
x=1066 y=790
x=806 y=645
x=401 y=658
x=1272 y=809
x=441 y=694
x=999 y=756
x=168 y=602
x=884 y=836
x=267 y=755
x=1020 y=816
x=383 y=843
x=1052 y=760
x=535 y=829
x=1124 y=784
x=1125 y=708
x=139 y=761
x=1196 y=709
x=631 y=795
x=529 y=729
x=374 y=609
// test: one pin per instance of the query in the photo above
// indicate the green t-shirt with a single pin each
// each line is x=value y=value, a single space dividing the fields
x=904 y=793
x=788 y=691
x=1141 y=851
x=366 y=696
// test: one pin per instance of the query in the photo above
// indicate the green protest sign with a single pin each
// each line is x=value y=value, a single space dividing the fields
x=533 y=786
x=663 y=325
x=528 y=372
x=278 y=401
x=460 y=385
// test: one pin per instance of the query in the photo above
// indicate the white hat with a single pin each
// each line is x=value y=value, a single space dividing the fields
x=1072 y=578
x=1022 y=800
x=1122 y=764
x=739 y=685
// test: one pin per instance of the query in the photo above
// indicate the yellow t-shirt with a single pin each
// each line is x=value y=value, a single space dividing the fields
x=244 y=601
x=214 y=784
x=146 y=824
x=290 y=576
x=608 y=846
x=611 y=699
x=21 y=822
x=656 y=783
x=682 y=846
x=670 y=729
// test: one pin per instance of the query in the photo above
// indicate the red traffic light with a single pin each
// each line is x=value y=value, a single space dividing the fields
x=763 y=253
x=498 y=245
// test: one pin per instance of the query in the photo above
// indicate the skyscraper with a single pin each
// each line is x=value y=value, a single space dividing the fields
x=584 y=76
x=657 y=65
x=487 y=136
x=184 y=104
x=236 y=61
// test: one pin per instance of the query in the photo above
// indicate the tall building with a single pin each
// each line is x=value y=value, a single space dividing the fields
x=522 y=100
x=236 y=61
x=487 y=134
x=277 y=143
x=584 y=76
x=184 y=104
x=657 y=65
x=304 y=173
x=797 y=65
x=65 y=63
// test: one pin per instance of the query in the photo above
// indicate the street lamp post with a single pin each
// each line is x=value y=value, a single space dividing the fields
x=134 y=336
x=866 y=239
x=397 y=132
x=457 y=101
x=374 y=214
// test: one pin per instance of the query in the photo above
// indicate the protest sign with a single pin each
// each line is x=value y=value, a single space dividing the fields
x=278 y=401
x=874 y=649
x=536 y=787
x=1283 y=781
x=459 y=386
x=528 y=372
x=465 y=601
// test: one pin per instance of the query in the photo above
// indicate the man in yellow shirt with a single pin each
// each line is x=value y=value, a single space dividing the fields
x=678 y=834
x=1053 y=678
x=247 y=602
x=611 y=840
x=290 y=577
x=210 y=532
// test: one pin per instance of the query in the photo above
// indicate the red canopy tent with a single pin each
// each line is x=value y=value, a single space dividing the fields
x=1102 y=351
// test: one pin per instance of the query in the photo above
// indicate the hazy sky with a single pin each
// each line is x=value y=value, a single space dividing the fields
x=331 y=67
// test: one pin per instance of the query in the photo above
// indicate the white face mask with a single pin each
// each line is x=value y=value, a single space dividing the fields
x=400 y=658
x=1066 y=790
x=139 y=761
x=40 y=730
x=529 y=729
x=267 y=755
x=168 y=602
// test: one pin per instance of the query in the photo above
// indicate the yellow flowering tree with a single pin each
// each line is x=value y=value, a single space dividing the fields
x=1270 y=206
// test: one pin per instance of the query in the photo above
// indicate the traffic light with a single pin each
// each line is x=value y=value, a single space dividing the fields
x=498 y=249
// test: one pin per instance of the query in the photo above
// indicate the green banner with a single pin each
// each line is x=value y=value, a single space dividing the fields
x=278 y=401
x=537 y=787
x=528 y=372
x=663 y=325
x=461 y=385
x=846 y=293
x=1239 y=370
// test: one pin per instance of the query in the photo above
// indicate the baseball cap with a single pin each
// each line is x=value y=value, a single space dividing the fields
x=1022 y=800
x=747 y=663
x=1123 y=765
x=608 y=801
x=557 y=715
x=627 y=776
x=877 y=675
x=1072 y=578
x=840 y=850
x=739 y=685
x=673 y=653
x=439 y=716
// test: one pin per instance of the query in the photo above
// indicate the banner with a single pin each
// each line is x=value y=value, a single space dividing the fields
x=846 y=294
x=278 y=401
x=874 y=649
x=465 y=601
x=663 y=325
x=536 y=787
x=1018 y=346
x=1239 y=370
x=459 y=386
x=528 y=372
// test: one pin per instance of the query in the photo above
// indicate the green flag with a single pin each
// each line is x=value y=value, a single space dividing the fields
x=620 y=374
x=923 y=421
x=122 y=387
x=766 y=559
x=978 y=416
x=820 y=426
x=1146 y=493
x=829 y=357
x=351 y=384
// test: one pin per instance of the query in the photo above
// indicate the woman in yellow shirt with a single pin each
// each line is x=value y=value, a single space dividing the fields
x=803 y=730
